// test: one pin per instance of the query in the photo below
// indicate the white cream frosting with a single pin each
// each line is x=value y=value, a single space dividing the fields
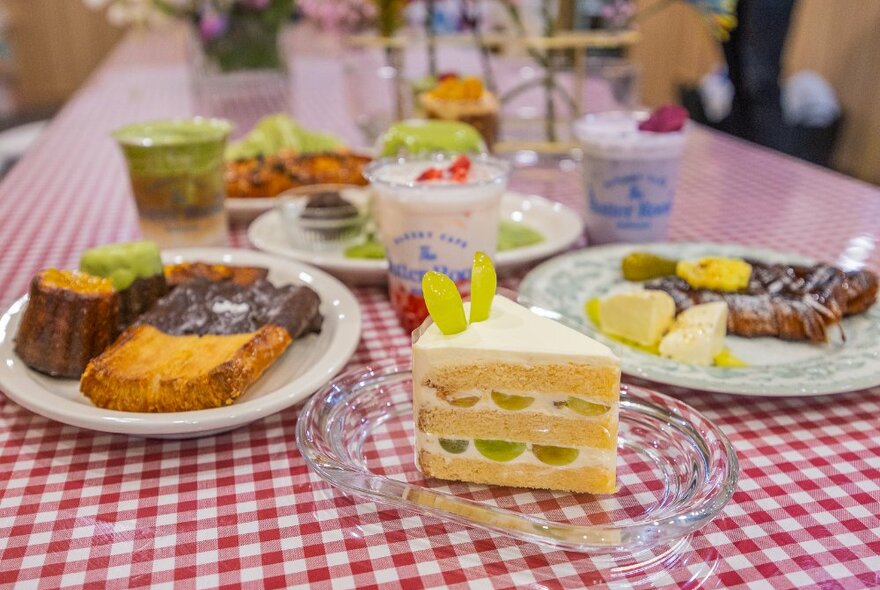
x=511 y=334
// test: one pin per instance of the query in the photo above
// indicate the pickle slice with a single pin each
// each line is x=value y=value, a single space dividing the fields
x=454 y=446
x=499 y=450
x=465 y=402
x=642 y=266
x=557 y=456
x=585 y=408
x=511 y=402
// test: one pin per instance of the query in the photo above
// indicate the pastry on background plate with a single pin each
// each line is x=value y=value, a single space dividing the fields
x=510 y=397
x=184 y=272
x=466 y=100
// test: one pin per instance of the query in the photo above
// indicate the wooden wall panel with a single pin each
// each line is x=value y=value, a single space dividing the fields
x=839 y=39
x=56 y=44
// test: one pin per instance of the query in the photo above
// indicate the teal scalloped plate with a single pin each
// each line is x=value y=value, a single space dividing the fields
x=775 y=367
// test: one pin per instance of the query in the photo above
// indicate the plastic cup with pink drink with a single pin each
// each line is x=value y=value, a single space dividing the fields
x=433 y=213
x=631 y=161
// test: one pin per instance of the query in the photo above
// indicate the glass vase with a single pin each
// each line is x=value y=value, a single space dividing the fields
x=241 y=76
x=377 y=90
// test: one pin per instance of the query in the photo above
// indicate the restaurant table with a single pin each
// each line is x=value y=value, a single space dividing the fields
x=81 y=508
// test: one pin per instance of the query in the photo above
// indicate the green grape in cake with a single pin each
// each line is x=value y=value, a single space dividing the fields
x=584 y=407
x=444 y=303
x=499 y=450
x=483 y=284
x=468 y=401
x=511 y=402
x=454 y=446
x=556 y=456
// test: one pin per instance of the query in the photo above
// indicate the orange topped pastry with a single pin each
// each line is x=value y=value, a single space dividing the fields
x=463 y=99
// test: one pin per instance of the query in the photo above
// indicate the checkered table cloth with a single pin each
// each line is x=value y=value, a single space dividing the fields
x=79 y=508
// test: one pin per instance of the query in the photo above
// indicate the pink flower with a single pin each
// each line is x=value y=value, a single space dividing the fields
x=665 y=119
x=212 y=25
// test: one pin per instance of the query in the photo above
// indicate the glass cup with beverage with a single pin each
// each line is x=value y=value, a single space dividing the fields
x=629 y=176
x=176 y=173
x=433 y=213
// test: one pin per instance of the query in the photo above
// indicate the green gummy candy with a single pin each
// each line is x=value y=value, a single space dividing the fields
x=122 y=263
x=444 y=303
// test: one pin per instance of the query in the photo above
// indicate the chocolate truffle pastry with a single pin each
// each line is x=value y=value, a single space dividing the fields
x=135 y=268
x=202 y=307
x=329 y=205
x=70 y=318
x=178 y=274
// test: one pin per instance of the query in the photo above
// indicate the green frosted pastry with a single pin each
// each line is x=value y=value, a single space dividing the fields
x=122 y=263
x=135 y=269
x=417 y=136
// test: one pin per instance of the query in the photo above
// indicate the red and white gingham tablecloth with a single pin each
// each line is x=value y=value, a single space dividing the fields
x=83 y=509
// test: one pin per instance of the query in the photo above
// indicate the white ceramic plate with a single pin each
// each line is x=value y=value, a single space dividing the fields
x=560 y=226
x=306 y=365
x=244 y=210
x=776 y=368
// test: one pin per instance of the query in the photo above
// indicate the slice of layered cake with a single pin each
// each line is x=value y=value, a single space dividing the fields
x=511 y=398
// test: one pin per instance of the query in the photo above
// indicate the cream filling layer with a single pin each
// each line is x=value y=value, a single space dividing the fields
x=543 y=403
x=587 y=456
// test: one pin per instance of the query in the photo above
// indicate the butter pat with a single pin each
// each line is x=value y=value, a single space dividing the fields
x=697 y=336
x=639 y=316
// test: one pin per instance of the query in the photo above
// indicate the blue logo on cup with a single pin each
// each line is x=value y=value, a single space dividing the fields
x=427 y=252
x=632 y=201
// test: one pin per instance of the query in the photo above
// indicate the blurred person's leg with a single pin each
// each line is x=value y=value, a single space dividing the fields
x=754 y=55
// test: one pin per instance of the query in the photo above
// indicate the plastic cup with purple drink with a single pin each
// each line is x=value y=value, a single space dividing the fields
x=630 y=173
x=433 y=213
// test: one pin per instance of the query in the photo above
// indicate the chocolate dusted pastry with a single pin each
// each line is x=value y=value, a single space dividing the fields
x=203 y=307
x=70 y=318
x=184 y=272
x=792 y=302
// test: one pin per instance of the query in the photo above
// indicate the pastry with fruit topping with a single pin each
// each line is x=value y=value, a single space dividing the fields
x=504 y=396
x=463 y=99
x=70 y=318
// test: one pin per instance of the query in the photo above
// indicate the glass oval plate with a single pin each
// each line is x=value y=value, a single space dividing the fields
x=676 y=470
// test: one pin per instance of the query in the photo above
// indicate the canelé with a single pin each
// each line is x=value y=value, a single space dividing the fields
x=70 y=318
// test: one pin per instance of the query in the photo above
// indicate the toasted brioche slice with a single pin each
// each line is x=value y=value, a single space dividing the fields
x=146 y=370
